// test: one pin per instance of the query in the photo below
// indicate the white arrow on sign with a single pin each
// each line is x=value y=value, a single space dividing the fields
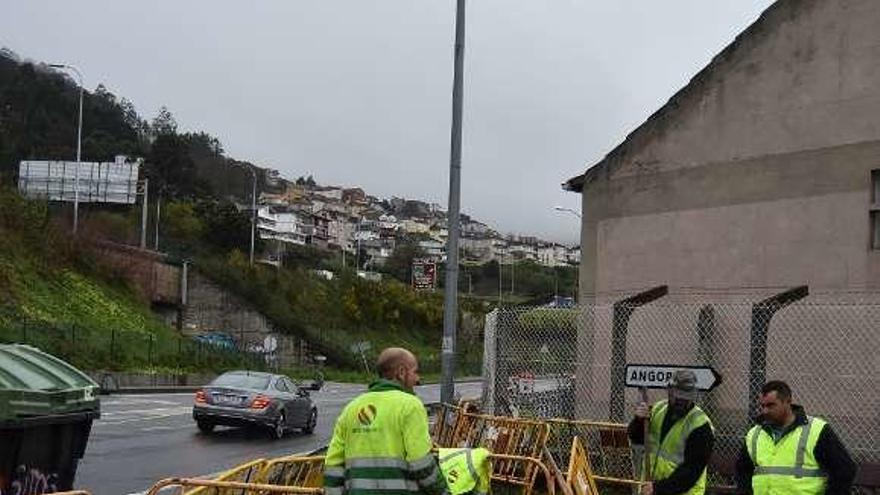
x=659 y=375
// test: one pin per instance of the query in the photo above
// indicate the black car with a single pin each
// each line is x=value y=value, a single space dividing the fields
x=250 y=398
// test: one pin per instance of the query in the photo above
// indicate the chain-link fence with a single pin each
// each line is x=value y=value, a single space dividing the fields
x=570 y=363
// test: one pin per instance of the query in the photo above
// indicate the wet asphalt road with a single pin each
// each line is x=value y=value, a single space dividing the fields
x=143 y=438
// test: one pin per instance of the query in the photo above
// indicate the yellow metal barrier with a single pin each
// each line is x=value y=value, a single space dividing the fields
x=245 y=473
x=522 y=471
x=452 y=421
x=184 y=485
x=606 y=445
x=580 y=472
x=306 y=472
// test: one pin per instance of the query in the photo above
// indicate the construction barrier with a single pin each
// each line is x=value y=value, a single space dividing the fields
x=451 y=423
x=174 y=486
x=606 y=445
x=73 y=492
x=306 y=472
x=580 y=471
x=521 y=471
x=245 y=473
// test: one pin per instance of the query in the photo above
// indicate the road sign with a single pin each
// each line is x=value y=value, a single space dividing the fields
x=424 y=274
x=659 y=375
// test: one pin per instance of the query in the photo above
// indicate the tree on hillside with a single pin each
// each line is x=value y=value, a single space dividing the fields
x=399 y=264
x=164 y=123
x=225 y=226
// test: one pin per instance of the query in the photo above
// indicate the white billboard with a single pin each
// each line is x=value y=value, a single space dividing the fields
x=98 y=182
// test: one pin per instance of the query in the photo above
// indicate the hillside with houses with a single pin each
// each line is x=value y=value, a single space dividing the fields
x=368 y=229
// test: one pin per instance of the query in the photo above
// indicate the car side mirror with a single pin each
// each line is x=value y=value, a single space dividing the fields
x=315 y=386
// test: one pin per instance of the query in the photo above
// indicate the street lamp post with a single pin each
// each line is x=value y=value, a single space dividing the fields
x=450 y=296
x=578 y=273
x=78 y=142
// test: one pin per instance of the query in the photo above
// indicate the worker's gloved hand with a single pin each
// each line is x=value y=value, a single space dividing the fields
x=642 y=410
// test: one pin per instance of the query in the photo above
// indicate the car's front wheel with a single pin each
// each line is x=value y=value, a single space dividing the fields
x=313 y=420
x=205 y=426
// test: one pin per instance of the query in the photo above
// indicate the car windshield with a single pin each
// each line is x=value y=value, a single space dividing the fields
x=241 y=380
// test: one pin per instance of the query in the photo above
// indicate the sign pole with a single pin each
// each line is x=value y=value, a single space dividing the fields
x=646 y=428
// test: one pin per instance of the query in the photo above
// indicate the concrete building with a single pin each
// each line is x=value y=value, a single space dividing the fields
x=769 y=151
x=761 y=175
x=280 y=224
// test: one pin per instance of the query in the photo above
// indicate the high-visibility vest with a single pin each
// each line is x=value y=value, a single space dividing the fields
x=466 y=470
x=381 y=445
x=788 y=466
x=667 y=455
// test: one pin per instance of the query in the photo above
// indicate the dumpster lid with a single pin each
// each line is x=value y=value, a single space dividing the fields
x=27 y=368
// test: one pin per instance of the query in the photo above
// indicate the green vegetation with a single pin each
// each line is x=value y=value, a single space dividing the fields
x=54 y=295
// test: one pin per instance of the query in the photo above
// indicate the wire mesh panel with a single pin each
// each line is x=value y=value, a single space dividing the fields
x=569 y=363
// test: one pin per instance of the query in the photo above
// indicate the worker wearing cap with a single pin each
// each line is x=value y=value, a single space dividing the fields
x=680 y=440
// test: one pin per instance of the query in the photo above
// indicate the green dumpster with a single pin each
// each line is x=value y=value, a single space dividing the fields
x=46 y=411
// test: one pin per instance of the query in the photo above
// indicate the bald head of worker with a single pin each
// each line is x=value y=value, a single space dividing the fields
x=399 y=365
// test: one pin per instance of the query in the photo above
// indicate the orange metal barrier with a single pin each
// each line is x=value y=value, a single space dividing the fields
x=307 y=472
x=174 y=486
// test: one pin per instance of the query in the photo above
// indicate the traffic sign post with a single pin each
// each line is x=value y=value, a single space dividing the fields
x=659 y=375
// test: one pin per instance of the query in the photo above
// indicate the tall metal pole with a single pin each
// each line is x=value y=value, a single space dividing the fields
x=144 y=214
x=253 y=212
x=158 y=218
x=450 y=307
x=78 y=143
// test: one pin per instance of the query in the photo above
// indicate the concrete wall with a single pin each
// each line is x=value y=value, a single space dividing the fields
x=211 y=308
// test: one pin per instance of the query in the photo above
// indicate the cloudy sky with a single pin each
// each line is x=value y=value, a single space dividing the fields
x=358 y=92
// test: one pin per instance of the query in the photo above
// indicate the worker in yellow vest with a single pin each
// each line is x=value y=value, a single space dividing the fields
x=466 y=470
x=788 y=452
x=680 y=440
x=380 y=443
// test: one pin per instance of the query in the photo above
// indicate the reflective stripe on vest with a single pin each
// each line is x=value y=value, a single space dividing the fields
x=669 y=454
x=787 y=465
x=465 y=469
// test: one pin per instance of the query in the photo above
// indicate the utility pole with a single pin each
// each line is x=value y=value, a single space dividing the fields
x=158 y=217
x=450 y=307
x=144 y=214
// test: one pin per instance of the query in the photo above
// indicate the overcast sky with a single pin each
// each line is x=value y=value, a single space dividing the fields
x=358 y=92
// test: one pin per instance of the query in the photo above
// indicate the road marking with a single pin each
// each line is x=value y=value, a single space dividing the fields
x=147 y=415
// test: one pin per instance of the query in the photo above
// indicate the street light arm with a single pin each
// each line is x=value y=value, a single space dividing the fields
x=72 y=68
x=569 y=210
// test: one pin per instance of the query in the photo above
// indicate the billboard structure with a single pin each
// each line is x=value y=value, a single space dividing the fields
x=97 y=182
x=424 y=274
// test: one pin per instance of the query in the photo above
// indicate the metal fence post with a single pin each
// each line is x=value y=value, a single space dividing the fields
x=623 y=309
x=113 y=344
x=762 y=313
x=150 y=353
